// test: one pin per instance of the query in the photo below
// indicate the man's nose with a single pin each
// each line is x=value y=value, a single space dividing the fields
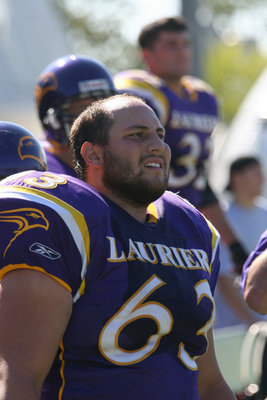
x=156 y=143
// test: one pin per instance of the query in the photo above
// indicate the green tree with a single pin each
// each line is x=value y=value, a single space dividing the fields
x=231 y=71
x=227 y=7
x=96 y=34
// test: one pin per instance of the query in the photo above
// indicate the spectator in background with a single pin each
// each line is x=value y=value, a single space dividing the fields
x=63 y=90
x=246 y=212
x=231 y=308
x=246 y=209
x=19 y=150
x=188 y=109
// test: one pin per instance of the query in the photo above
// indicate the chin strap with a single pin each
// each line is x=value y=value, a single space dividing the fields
x=51 y=119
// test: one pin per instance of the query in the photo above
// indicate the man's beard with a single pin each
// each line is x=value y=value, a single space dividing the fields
x=135 y=189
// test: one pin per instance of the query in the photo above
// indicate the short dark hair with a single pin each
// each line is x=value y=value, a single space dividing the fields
x=239 y=165
x=149 y=34
x=92 y=125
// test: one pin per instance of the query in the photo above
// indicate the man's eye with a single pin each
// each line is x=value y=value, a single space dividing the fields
x=136 y=134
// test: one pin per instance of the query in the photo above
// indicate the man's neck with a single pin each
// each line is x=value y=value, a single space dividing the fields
x=63 y=153
x=244 y=200
x=174 y=85
x=66 y=157
x=171 y=82
x=137 y=212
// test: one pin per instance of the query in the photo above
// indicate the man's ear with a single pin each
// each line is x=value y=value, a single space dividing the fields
x=91 y=154
x=147 y=56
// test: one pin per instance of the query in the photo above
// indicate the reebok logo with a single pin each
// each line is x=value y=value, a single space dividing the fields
x=44 y=250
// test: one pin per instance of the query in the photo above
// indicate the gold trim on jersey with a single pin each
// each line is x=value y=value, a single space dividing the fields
x=215 y=236
x=61 y=369
x=152 y=215
x=215 y=239
x=70 y=215
x=145 y=86
x=13 y=267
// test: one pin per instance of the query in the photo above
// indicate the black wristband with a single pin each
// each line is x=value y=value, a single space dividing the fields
x=239 y=255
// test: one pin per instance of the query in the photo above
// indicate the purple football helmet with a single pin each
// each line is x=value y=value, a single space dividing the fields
x=64 y=81
x=19 y=150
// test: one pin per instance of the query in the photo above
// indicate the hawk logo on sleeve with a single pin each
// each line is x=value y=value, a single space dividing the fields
x=24 y=219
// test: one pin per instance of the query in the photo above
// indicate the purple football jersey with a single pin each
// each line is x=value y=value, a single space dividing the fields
x=142 y=292
x=54 y=164
x=189 y=116
x=261 y=246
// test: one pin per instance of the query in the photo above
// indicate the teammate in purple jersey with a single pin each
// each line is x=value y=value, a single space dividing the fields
x=254 y=287
x=254 y=277
x=63 y=90
x=188 y=109
x=187 y=106
x=111 y=283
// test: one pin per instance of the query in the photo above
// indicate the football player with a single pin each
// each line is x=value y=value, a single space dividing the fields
x=188 y=109
x=254 y=277
x=254 y=287
x=19 y=150
x=64 y=89
x=107 y=283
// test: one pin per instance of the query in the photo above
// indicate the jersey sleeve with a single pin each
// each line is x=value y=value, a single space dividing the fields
x=260 y=247
x=215 y=257
x=41 y=234
x=208 y=237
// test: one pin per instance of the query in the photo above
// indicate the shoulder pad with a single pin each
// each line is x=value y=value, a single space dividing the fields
x=195 y=84
x=137 y=75
x=147 y=86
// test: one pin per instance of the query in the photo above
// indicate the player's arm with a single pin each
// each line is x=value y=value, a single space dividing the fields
x=34 y=313
x=233 y=297
x=214 y=213
x=255 y=292
x=211 y=384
